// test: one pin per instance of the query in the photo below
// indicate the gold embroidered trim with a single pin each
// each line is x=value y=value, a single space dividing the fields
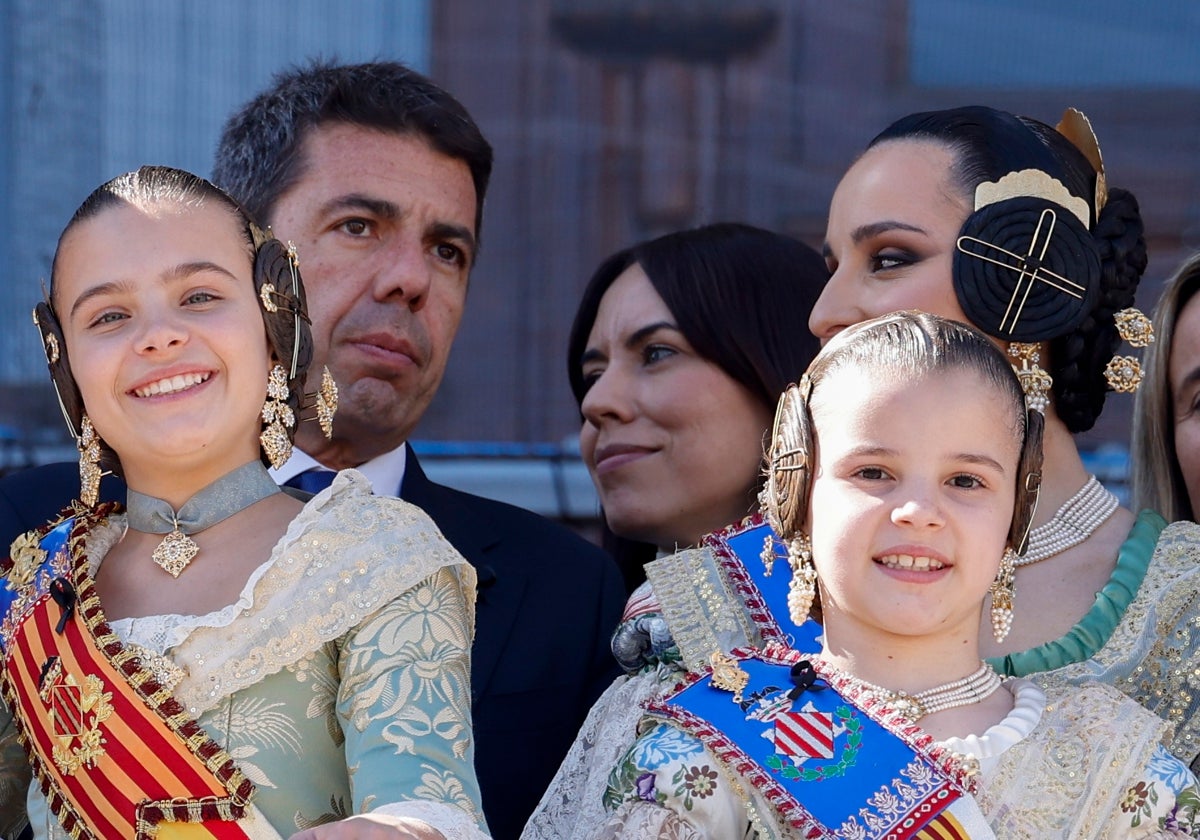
x=703 y=613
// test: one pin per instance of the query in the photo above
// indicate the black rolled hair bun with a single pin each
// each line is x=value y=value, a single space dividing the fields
x=1079 y=358
x=1001 y=301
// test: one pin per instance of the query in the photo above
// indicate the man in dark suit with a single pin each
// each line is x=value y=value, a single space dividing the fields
x=378 y=176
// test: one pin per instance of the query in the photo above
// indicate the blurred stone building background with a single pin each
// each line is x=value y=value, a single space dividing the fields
x=612 y=120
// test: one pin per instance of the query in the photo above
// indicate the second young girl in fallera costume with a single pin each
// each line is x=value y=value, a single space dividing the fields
x=903 y=472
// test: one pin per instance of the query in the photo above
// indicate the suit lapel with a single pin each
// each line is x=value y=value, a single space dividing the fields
x=471 y=529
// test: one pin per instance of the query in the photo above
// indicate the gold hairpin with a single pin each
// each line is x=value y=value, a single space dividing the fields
x=1032 y=183
x=1028 y=267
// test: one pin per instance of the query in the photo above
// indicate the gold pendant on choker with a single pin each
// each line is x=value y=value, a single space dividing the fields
x=175 y=552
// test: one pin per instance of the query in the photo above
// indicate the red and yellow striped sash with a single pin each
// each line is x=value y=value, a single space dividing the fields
x=117 y=756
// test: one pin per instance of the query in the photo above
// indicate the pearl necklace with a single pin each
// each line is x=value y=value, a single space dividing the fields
x=1074 y=522
x=974 y=688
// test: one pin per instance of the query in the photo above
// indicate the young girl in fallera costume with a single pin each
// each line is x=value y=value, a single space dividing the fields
x=903 y=473
x=219 y=658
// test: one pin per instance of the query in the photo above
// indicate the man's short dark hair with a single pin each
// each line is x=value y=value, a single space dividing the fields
x=259 y=157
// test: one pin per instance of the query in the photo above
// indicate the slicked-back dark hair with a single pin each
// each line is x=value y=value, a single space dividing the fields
x=988 y=144
x=259 y=156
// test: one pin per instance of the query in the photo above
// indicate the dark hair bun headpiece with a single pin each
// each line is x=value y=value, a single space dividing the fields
x=1026 y=268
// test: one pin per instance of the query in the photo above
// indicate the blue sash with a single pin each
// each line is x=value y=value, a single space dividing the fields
x=739 y=550
x=826 y=766
x=39 y=560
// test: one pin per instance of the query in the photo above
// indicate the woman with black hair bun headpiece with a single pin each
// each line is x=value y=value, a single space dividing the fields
x=1009 y=224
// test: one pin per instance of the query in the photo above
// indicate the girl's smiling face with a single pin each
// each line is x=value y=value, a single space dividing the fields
x=164 y=335
x=912 y=501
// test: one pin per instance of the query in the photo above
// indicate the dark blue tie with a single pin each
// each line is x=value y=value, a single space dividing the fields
x=312 y=480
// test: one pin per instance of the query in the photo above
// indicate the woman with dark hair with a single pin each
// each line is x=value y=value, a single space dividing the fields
x=679 y=350
x=1165 y=456
x=737 y=297
x=218 y=658
x=1009 y=224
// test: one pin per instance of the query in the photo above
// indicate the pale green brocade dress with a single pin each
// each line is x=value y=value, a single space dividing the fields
x=340 y=679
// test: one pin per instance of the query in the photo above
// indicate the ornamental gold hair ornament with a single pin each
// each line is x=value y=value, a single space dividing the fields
x=258 y=236
x=1124 y=373
x=1026 y=266
x=1035 y=183
x=272 y=299
x=1077 y=128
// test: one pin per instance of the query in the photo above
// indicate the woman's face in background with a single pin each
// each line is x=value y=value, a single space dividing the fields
x=672 y=442
x=1184 y=372
x=893 y=223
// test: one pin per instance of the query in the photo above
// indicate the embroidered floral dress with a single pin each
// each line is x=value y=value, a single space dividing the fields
x=339 y=680
x=694 y=602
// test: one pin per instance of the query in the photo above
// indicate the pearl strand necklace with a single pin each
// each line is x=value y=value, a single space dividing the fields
x=974 y=688
x=1074 y=522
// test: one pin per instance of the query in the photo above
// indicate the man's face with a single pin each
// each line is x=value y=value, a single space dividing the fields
x=385 y=229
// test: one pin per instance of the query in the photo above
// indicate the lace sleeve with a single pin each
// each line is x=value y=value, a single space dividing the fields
x=15 y=776
x=404 y=701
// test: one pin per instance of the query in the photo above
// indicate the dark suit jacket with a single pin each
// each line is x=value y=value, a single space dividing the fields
x=548 y=603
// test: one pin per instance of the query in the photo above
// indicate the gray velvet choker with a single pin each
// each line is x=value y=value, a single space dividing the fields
x=220 y=500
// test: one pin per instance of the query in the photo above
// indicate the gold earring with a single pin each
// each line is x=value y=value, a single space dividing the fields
x=89 y=463
x=1035 y=382
x=327 y=403
x=1003 y=591
x=278 y=417
x=803 y=587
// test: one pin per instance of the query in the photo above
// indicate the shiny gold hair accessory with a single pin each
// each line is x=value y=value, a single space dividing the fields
x=52 y=352
x=1124 y=373
x=1035 y=381
x=278 y=418
x=1077 y=128
x=271 y=299
x=1035 y=183
x=785 y=489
